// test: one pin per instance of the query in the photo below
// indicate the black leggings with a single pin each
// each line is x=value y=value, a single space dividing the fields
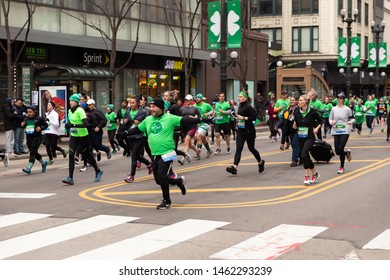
x=305 y=145
x=250 y=141
x=369 y=121
x=33 y=144
x=176 y=137
x=111 y=138
x=81 y=143
x=340 y=141
x=51 y=144
x=161 y=171
x=137 y=149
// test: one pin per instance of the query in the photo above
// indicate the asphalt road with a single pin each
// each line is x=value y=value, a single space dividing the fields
x=248 y=216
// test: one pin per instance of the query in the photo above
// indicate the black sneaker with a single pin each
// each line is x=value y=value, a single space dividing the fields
x=261 y=166
x=99 y=156
x=164 y=205
x=182 y=185
x=232 y=170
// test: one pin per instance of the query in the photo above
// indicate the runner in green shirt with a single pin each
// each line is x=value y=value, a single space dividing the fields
x=222 y=123
x=111 y=127
x=358 y=112
x=281 y=106
x=77 y=126
x=206 y=110
x=327 y=106
x=370 y=109
x=316 y=104
x=160 y=128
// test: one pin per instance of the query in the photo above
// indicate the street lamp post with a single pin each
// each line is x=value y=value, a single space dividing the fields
x=377 y=30
x=349 y=20
x=223 y=63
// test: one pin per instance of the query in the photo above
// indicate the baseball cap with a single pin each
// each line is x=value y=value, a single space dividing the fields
x=188 y=97
x=90 y=101
x=341 y=95
x=199 y=95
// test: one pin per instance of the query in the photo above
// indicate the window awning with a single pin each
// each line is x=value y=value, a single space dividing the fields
x=72 y=73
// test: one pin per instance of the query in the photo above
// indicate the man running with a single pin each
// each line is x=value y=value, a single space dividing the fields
x=206 y=111
x=222 y=123
x=160 y=128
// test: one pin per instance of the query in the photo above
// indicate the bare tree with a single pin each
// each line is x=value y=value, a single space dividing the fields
x=115 y=13
x=9 y=47
x=184 y=15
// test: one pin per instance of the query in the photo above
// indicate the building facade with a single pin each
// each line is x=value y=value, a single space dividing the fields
x=309 y=30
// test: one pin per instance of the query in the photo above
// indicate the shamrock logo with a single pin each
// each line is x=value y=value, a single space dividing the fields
x=216 y=24
x=155 y=127
x=233 y=27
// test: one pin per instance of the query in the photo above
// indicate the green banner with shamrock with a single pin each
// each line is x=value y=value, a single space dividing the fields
x=234 y=24
x=214 y=17
x=372 y=56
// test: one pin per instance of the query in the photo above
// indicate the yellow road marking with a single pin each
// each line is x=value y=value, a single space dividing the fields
x=101 y=195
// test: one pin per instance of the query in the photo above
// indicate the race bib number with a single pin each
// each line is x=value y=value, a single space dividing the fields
x=73 y=130
x=303 y=132
x=169 y=156
x=359 y=114
x=30 y=129
x=219 y=118
x=341 y=128
x=241 y=124
x=381 y=111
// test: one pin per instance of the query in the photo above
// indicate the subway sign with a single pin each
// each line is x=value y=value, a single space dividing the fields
x=174 y=65
x=95 y=58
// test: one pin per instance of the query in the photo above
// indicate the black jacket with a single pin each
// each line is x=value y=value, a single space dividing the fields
x=311 y=120
x=246 y=110
x=9 y=116
x=99 y=117
x=37 y=121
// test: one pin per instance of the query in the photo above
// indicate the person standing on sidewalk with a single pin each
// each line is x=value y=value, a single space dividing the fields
x=9 y=126
x=77 y=127
x=246 y=115
x=33 y=125
x=20 y=111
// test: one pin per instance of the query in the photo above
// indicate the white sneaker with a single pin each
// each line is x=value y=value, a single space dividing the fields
x=84 y=168
x=188 y=157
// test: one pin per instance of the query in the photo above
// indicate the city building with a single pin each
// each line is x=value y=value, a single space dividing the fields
x=308 y=30
x=64 y=54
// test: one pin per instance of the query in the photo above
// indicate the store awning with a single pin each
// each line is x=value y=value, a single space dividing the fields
x=276 y=53
x=71 y=73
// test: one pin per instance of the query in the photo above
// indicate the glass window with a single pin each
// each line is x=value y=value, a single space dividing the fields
x=305 y=7
x=74 y=4
x=366 y=14
x=340 y=5
x=359 y=7
x=305 y=39
x=268 y=7
x=366 y=47
x=71 y=25
x=46 y=19
x=274 y=34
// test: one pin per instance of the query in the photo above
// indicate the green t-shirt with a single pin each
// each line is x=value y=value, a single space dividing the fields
x=160 y=132
x=327 y=107
x=111 y=121
x=358 y=113
x=317 y=104
x=285 y=103
x=204 y=108
x=77 y=117
x=221 y=118
x=370 y=107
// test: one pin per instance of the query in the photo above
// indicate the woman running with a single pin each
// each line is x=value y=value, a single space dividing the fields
x=341 y=119
x=246 y=115
x=77 y=126
x=305 y=119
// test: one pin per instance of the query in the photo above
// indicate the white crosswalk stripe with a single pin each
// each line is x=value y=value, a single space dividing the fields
x=270 y=244
x=152 y=241
x=18 y=218
x=382 y=241
x=25 y=195
x=139 y=241
x=32 y=241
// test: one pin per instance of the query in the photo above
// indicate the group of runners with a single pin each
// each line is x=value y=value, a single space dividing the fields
x=155 y=130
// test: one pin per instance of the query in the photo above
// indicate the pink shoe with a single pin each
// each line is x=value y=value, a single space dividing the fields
x=139 y=164
x=150 y=168
x=129 y=179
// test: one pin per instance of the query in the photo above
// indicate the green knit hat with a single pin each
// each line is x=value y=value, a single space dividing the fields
x=111 y=106
x=75 y=97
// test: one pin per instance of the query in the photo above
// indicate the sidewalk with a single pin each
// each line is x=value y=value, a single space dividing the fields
x=262 y=127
